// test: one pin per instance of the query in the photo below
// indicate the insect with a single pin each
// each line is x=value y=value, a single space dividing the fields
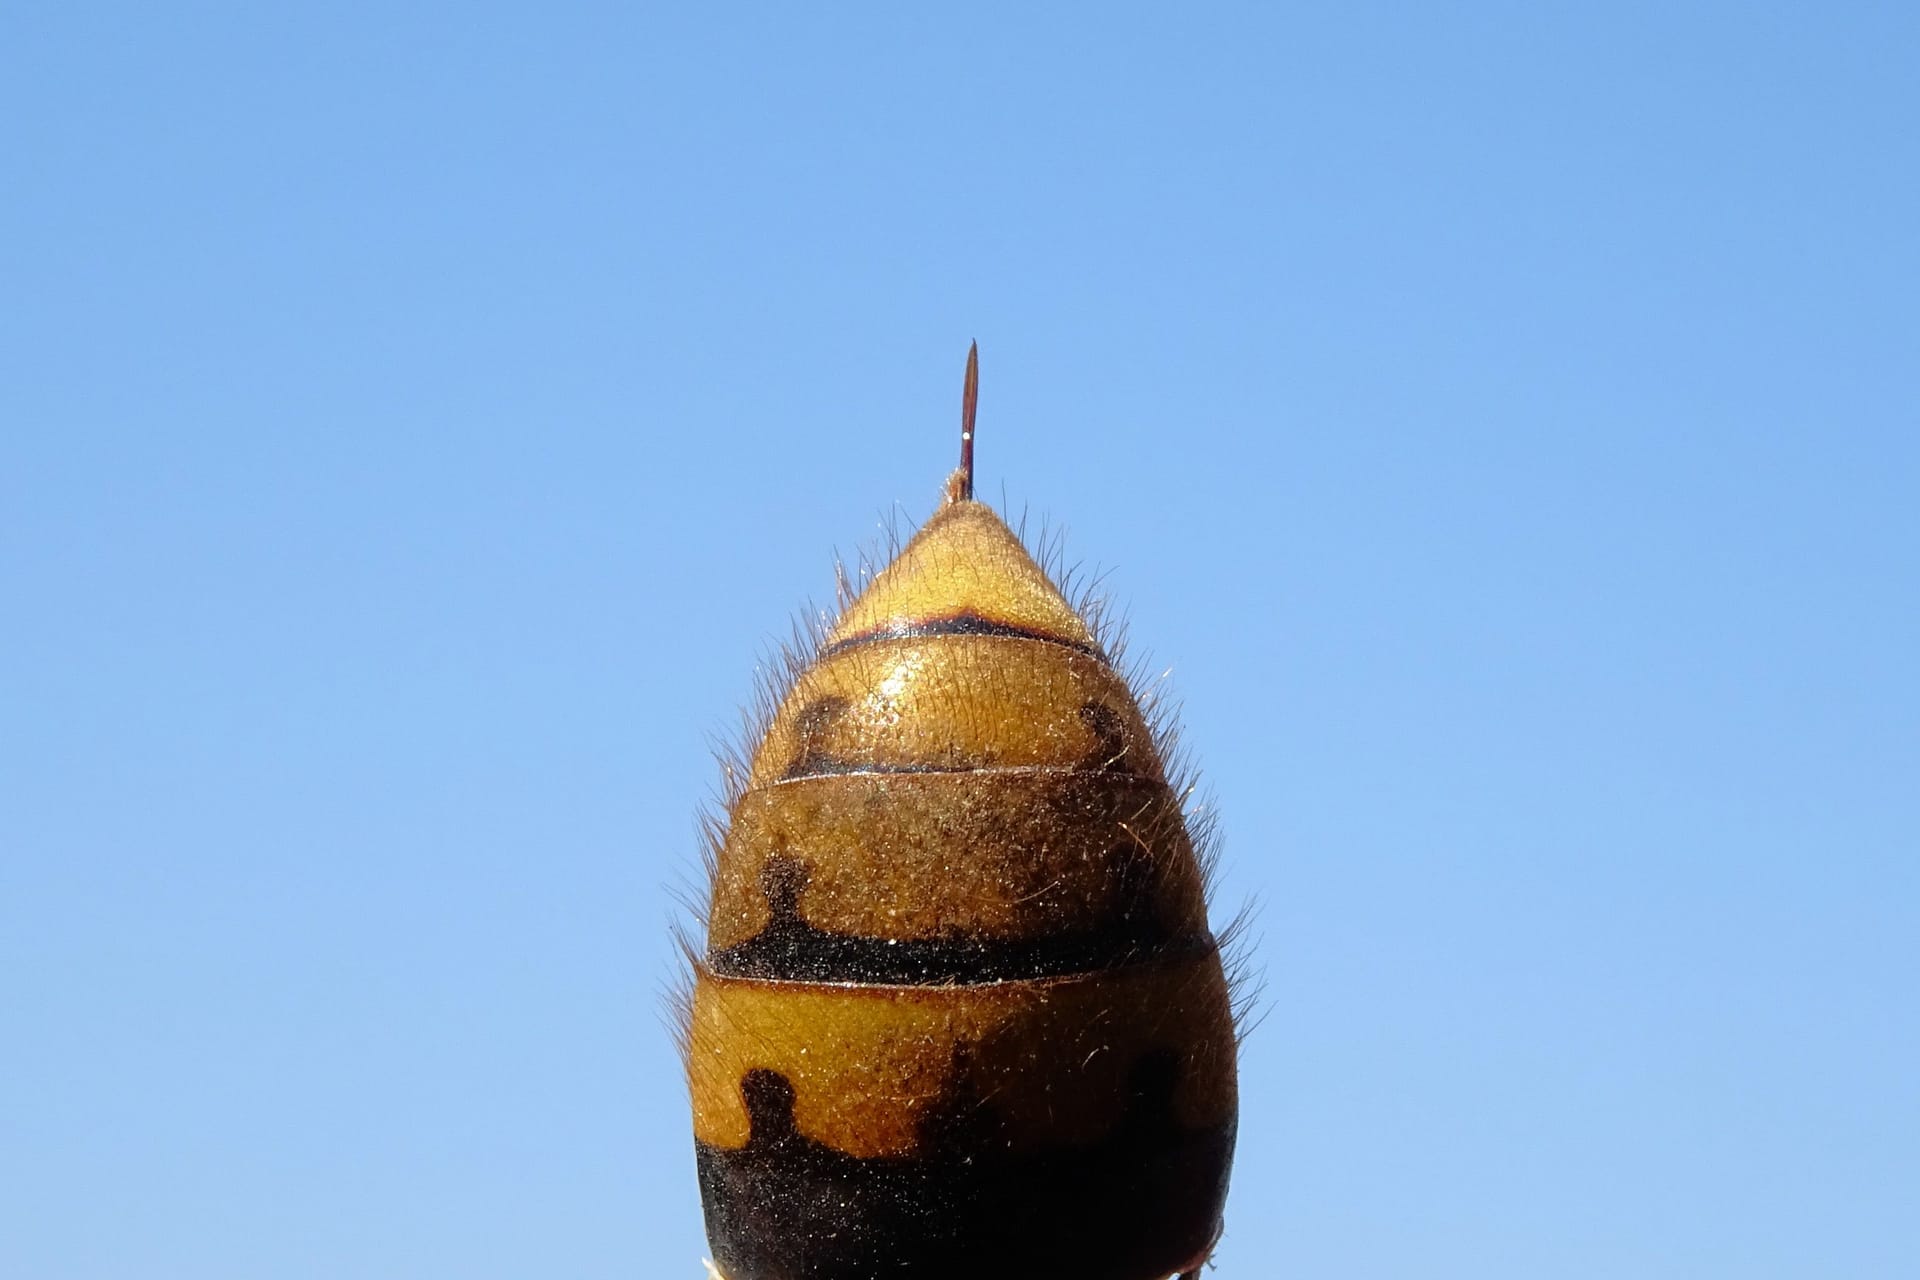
x=958 y=1011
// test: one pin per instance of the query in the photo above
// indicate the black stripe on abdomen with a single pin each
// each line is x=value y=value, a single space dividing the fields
x=795 y=951
x=790 y=948
x=958 y=624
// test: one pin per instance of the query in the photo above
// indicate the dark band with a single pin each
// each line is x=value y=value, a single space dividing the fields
x=959 y=624
x=1141 y=1202
x=791 y=949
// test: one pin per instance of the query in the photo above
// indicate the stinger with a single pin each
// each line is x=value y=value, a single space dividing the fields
x=969 y=402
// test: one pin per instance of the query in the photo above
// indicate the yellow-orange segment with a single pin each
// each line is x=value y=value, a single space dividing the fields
x=964 y=562
x=961 y=702
x=981 y=856
x=868 y=1063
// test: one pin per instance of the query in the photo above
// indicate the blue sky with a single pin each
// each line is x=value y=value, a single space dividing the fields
x=416 y=420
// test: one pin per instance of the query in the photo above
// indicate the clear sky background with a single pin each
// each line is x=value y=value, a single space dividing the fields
x=415 y=420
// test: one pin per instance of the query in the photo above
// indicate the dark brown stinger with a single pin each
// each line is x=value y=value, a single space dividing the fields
x=969 y=404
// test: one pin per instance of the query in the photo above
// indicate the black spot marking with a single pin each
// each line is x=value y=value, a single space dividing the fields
x=769 y=1101
x=1111 y=744
x=812 y=724
x=962 y=1120
x=783 y=880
